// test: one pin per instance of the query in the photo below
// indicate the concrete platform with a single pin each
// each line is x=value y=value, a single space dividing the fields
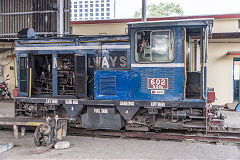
x=108 y=148
x=6 y=109
x=232 y=119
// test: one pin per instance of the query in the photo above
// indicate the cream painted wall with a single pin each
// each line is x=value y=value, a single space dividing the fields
x=6 y=62
x=225 y=25
x=219 y=26
x=96 y=29
x=220 y=70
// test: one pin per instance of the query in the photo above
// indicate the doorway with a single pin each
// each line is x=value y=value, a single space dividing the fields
x=236 y=77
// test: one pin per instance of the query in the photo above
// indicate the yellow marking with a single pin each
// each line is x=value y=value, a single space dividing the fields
x=30 y=82
x=34 y=123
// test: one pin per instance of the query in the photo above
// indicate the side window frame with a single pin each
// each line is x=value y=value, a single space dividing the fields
x=171 y=52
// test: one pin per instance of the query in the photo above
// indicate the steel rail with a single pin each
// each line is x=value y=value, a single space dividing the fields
x=213 y=137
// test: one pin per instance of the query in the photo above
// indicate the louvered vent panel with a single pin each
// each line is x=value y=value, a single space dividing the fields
x=108 y=86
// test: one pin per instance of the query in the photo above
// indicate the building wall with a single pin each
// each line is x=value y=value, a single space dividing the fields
x=92 y=9
x=220 y=69
x=96 y=29
x=225 y=25
x=6 y=63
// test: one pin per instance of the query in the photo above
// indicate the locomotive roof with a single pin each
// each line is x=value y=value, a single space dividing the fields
x=181 y=22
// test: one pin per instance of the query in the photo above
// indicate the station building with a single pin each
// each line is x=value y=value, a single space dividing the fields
x=223 y=56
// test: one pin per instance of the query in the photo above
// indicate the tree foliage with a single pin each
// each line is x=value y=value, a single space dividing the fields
x=162 y=9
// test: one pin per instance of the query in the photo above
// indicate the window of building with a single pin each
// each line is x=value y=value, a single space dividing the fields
x=102 y=14
x=86 y=14
x=75 y=2
x=86 y=10
x=91 y=10
x=102 y=0
x=108 y=9
x=80 y=6
x=102 y=9
x=80 y=15
x=91 y=5
x=86 y=1
x=102 y=17
x=80 y=2
x=108 y=4
x=97 y=14
x=96 y=9
x=108 y=14
x=108 y=17
x=80 y=10
x=75 y=10
x=75 y=15
x=108 y=0
x=91 y=14
x=97 y=5
x=86 y=18
x=91 y=18
x=91 y=1
x=154 y=46
x=96 y=18
x=102 y=5
x=86 y=5
x=75 y=6
x=96 y=1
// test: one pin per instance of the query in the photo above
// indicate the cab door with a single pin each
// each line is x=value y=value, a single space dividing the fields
x=81 y=75
x=23 y=74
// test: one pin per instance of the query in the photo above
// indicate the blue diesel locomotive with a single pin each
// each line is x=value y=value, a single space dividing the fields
x=151 y=79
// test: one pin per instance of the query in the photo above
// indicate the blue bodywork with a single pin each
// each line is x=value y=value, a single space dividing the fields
x=114 y=83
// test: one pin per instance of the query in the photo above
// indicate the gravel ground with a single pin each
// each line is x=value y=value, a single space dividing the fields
x=108 y=148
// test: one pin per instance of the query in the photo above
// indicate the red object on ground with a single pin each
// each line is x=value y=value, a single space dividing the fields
x=15 y=92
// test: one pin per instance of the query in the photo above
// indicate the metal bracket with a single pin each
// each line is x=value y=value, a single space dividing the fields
x=127 y=112
x=73 y=110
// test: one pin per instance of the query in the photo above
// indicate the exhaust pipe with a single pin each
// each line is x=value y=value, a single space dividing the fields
x=144 y=18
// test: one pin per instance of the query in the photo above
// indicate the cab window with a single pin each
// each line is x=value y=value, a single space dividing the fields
x=154 y=46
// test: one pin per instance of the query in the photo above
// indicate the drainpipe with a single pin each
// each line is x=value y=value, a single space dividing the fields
x=144 y=4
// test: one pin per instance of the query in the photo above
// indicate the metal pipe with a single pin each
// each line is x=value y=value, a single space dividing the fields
x=203 y=63
x=60 y=18
x=195 y=55
x=144 y=3
x=30 y=82
x=22 y=13
x=185 y=62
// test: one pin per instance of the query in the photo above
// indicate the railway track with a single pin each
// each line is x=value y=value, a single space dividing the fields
x=211 y=137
